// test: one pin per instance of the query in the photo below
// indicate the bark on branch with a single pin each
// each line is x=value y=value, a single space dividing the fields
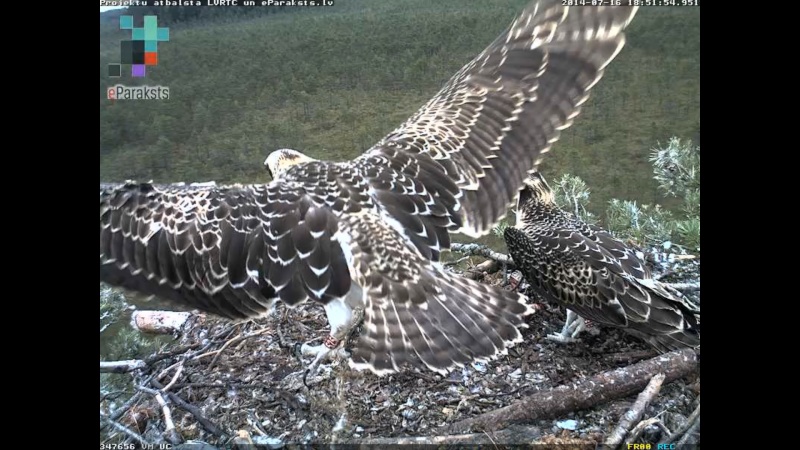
x=686 y=287
x=586 y=393
x=528 y=434
x=635 y=413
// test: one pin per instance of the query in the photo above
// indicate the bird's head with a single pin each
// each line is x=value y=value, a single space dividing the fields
x=535 y=190
x=281 y=160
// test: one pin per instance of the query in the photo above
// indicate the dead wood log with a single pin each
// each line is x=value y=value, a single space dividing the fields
x=121 y=366
x=687 y=287
x=513 y=434
x=627 y=357
x=159 y=322
x=635 y=413
x=586 y=393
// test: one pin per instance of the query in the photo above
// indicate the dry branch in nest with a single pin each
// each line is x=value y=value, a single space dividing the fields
x=587 y=393
x=688 y=428
x=481 y=250
x=635 y=413
x=121 y=366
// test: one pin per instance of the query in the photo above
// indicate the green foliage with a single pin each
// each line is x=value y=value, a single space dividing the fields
x=118 y=340
x=112 y=305
x=500 y=228
x=689 y=232
x=572 y=194
x=646 y=224
x=676 y=168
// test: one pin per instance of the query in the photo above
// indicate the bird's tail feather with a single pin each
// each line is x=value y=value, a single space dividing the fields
x=460 y=320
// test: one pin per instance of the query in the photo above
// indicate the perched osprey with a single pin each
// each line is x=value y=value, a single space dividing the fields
x=363 y=237
x=594 y=275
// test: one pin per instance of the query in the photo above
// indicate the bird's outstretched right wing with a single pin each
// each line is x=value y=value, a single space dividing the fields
x=228 y=250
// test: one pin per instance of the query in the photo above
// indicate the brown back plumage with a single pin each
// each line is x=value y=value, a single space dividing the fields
x=584 y=268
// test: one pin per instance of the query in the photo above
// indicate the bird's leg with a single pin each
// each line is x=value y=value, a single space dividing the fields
x=343 y=321
x=573 y=326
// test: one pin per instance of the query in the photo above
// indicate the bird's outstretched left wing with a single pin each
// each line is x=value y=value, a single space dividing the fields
x=491 y=123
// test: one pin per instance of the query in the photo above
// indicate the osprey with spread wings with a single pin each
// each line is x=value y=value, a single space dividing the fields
x=364 y=237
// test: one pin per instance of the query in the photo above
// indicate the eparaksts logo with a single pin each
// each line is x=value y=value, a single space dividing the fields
x=120 y=92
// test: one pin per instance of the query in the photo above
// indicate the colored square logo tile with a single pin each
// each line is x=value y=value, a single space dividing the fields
x=150 y=58
x=115 y=70
x=163 y=34
x=125 y=22
x=151 y=46
x=151 y=22
x=138 y=70
x=138 y=34
x=126 y=52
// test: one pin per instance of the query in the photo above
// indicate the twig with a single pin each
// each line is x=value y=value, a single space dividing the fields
x=635 y=413
x=235 y=340
x=121 y=366
x=122 y=428
x=169 y=432
x=690 y=287
x=223 y=386
x=223 y=334
x=587 y=393
x=174 y=378
x=193 y=410
x=112 y=395
x=481 y=250
x=456 y=262
x=683 y=430
x=180 y=350
x=282 y=342
x=125 y=406
x=690 y=432
x=255 y=423
x=637 y=431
